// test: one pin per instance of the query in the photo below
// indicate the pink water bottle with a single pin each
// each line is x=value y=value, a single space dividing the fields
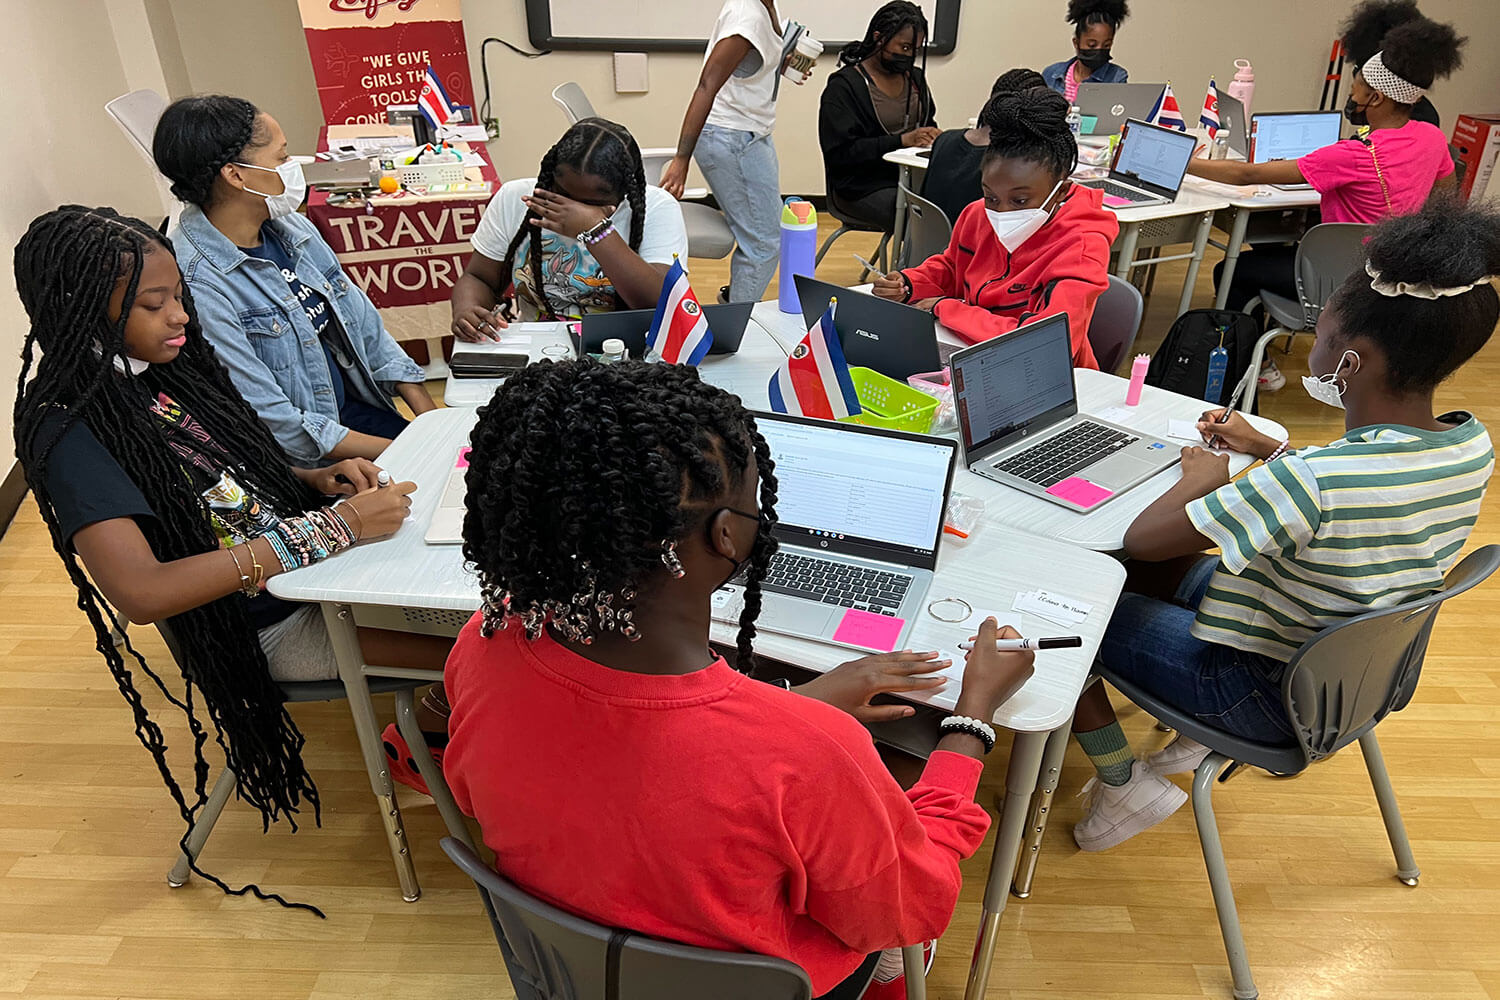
x=1138 y=369
x=1242 y=87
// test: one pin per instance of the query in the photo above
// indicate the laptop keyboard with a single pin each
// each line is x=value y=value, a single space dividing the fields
x=1055 y=459
x=1121 y=191
x=838 y=583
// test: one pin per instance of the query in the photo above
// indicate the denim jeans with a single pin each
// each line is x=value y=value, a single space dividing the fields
x=741 y=169
x=1148 y=643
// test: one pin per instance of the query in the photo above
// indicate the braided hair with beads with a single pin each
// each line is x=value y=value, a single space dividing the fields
x=1031 y=125
x=196 y=136
x=591 y=146
x=67 y=265
x=587 y=471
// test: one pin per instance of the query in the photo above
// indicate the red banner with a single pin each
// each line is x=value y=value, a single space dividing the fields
x=367 y=54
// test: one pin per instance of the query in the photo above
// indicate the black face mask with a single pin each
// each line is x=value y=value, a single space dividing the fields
x=897 y=65
x=1092 y=59
x=1354 y=114
x=739 y=567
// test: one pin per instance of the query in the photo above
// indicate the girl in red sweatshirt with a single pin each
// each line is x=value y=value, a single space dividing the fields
x=619 y=768
x=1036 y=245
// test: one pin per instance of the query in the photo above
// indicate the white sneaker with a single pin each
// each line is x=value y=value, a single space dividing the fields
x=1118 y=812
x=1180 y=756
x=1270 y=379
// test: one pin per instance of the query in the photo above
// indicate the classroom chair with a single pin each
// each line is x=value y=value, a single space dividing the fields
x=574 y=102
x=553 y=955
x=707 y=232
x=928 y=229
x=850 y=223
x=1342 y=683
x=137 y=113
x=1117 y=317
x=1327 y=255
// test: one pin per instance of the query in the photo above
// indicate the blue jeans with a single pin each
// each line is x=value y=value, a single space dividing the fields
x=1148 y=643
x=741 y=169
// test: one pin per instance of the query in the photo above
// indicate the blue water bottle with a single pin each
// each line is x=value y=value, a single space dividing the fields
x=799 y=249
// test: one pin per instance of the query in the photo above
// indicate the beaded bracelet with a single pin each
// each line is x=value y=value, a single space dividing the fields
x=283 y=554
x=976 y=728
x=1281 y=449
x=596 y=235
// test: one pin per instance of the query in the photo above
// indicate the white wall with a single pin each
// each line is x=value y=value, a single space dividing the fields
x=61 y=57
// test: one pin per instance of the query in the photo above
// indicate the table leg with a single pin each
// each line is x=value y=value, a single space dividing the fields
x=1130 y=237
x=1200 y=245
x=898 y=231
x=1232 y=254
x=1020 y=782
x=341 y=632
x=1041 y=807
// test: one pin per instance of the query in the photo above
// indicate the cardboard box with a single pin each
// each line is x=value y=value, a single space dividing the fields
x=1475 y=145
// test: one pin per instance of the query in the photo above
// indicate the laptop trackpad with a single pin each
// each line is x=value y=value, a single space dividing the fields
x=788 y=614
x=1118 y=470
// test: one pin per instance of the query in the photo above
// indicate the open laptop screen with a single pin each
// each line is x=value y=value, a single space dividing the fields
x=1154 y=155
x=1292 y=135
x=859 y=491
x=1002 y=387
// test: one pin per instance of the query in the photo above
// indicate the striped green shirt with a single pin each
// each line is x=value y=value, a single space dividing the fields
x=1322 y=534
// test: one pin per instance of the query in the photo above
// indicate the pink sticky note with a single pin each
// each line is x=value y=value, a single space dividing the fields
x=1076 y=489
x=872 y=631
x=463 y=458
x=1115 y=201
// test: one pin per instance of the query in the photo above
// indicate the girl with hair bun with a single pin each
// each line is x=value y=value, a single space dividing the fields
x=1363 y=33
x=1035 y=245
x=1094 y=25
x=1384 y=510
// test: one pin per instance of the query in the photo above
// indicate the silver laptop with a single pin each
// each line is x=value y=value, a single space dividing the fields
x=1149 y=163
x=1291 y=135
x=1233 y=124
x=1019 y=422
x=859 y=517
x=1111 y=105
x=447 y=524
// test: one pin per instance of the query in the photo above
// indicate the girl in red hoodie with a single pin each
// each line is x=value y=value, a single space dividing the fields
x=1037 y=244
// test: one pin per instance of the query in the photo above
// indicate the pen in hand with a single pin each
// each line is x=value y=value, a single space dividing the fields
x=870 y=267
x=1223 y=417
x=1007 y=645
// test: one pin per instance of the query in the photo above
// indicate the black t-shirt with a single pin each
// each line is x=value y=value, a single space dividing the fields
x=953 y=169
x=319 y=312
x=87 y=486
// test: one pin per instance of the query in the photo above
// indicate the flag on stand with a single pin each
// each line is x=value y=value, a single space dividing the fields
x=433 y=102
x=1167 y=113
x=679 y=333
x=1209 y=116
x=814 y=380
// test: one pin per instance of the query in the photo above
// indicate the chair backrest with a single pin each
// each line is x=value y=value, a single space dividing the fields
x=137 y=114
x=928 y=228
x=553 y=955
x=1328 y=254
x=1351 y=675
x=574 y=103
x=1117 y=317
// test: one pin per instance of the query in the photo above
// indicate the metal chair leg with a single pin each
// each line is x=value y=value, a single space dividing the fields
x=914 y=966
x=406 y=722
x=1406 y=864
x=823 y=250
x=202 y=827
x=1041 y=808
x=1218 y=875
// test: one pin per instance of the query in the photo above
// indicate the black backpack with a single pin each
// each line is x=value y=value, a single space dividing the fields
x=1181 y=363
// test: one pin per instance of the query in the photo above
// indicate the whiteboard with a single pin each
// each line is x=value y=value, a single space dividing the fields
x=684 y=25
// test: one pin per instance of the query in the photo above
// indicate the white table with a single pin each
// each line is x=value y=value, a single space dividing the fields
x=404 y=583
x=1245 y=201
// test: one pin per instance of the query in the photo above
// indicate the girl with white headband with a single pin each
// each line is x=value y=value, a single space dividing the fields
x=1389 y=168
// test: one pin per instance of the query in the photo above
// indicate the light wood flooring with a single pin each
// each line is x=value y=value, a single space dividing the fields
x=87 y=834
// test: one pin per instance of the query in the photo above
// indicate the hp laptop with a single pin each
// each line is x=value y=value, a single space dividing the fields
x=1148 y=166
x=859 y=517
x=1290 y=135
x=447 y=524
x=1233 y=124
x=1019 y=422
x=893 y=339
x=630 y=325
x=1111 y=105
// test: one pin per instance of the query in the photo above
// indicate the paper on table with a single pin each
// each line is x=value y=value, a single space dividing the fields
x=1184 y=430
x=1052 y=607
x=1125 y=416
x=463 y=133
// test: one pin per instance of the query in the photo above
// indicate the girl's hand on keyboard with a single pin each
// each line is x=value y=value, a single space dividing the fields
x=850 y=686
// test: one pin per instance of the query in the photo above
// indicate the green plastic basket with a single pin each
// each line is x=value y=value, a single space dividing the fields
x=891 y=404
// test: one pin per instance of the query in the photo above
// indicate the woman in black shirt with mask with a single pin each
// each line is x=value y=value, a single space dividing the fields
x=875 y=103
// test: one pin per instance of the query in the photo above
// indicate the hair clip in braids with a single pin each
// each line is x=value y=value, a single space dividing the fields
x=669 y=559
x=494 y=610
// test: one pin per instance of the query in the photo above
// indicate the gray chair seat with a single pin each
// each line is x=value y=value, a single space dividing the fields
x=707 y=232
x=1286 y=313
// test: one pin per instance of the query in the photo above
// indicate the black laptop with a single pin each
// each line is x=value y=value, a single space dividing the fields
x=727 y=322
x=896 y=340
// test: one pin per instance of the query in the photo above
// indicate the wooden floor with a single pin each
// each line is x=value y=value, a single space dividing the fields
x=87 y=835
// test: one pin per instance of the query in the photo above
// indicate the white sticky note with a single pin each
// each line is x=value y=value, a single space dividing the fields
x=1055 y=607
x=1184 y=430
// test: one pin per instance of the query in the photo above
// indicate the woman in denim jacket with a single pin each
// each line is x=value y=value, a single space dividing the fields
x=304 y=347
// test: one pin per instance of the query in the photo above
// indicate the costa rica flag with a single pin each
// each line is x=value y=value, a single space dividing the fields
x=433 y=102
x=679 y=333
x=1209 y=116
x=814 y=380
x=1167 y=113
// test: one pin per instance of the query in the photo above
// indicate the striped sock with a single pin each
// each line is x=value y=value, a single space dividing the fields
x=1110 y=753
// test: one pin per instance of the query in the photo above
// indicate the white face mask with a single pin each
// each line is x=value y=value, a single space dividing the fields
x=1330 y=388
x=1016 y=227
x=293 y=188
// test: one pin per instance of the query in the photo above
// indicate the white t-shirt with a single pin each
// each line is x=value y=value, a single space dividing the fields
x=746 y=102
x=574 y=281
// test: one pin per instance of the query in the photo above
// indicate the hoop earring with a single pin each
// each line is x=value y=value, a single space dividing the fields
x=669 y=559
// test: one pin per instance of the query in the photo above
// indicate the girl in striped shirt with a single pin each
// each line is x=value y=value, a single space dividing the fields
x=1315 y=535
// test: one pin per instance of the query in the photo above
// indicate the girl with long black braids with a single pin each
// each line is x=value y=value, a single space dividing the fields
x=169 y=501
x=1094 y=25
x=587 y=234
x=877 y=102
x=740 y=816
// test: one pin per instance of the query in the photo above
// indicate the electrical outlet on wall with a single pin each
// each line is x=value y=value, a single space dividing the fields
x=492 y=128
